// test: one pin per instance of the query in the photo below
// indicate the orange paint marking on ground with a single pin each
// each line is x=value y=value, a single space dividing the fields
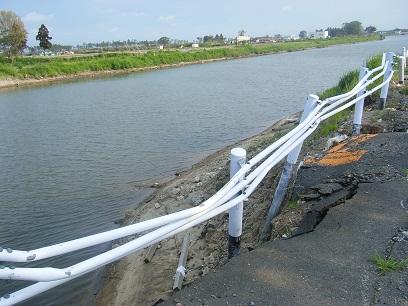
x=343 y=153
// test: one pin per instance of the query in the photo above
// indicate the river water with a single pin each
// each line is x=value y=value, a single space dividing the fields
x=73 y=154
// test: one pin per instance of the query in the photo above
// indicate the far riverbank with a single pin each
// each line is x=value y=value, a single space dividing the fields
x=31 y=71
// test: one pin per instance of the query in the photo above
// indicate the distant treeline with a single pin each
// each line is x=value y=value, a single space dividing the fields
x=52 y=66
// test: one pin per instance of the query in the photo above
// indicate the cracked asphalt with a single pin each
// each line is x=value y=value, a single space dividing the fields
x=360 y=208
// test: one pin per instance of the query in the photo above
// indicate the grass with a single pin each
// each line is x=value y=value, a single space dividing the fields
x=405 y=171
x=293 y=204
x=288 y=231
x=267 y=141
x=331 y=124
x=389 y=264
x=378 y=114
x=37 y=67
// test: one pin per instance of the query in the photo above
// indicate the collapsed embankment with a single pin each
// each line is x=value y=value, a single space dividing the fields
x=132 y=281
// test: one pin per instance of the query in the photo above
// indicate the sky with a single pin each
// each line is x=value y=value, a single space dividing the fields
x=74 y=22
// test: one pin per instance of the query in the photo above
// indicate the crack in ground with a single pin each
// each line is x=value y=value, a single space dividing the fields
x=320 y=209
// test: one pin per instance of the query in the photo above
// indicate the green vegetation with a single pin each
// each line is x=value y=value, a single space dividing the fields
x=405 y=171
x=267 y=141
x=377 y=116
x=404 y=90
x=331 y=124
x=288 y=231
x=44 y=38
x=388 y=264
x=37 y=67
x=13 y=35
x=346 y=83
x=293 y=204
x=350 y=79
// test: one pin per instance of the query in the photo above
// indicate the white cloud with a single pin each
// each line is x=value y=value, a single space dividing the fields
x=132 y=14
x=167 y=18
x=35 y=17
x=286 y=8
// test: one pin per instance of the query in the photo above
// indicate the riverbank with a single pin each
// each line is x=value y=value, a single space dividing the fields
x=15 y=82
x=31 y=71
x=132 y=281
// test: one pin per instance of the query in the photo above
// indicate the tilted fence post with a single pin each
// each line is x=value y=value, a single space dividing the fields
x=358 y=111
x=286 y=176
x=238 y=158
x=401 y=70
x=384 y=90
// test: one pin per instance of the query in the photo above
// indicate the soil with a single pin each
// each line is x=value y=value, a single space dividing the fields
x=132 y=281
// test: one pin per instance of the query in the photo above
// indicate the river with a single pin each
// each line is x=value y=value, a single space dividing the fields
x=74 y=155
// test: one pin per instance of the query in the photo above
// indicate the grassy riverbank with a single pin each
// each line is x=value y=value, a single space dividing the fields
x=49 y=67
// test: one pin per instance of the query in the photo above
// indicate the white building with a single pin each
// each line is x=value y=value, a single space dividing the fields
x=318 y=34
x=243 y=38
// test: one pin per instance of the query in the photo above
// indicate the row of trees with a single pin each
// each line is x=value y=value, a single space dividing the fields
x=348 y=28
x=13 y=35
x=217 y=39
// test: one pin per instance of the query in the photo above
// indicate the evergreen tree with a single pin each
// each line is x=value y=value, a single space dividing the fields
x=44 y=38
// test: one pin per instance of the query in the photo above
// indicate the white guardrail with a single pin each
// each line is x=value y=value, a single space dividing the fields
x=237 y=190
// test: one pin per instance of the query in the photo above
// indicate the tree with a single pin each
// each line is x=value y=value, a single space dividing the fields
x=44 y=38
x=335 y=32
x=353 y=28
x=208 y=39
x=370 y=29
x=241 y=32
x=164 y=41
x=221 y=39
x=13 y=35
x=303 y=34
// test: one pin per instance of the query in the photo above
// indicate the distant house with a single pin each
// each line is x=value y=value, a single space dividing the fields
x=291 y=37
x=319 y=34
x=243 y=38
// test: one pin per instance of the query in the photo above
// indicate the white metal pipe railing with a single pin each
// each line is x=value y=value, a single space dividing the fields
x=167 y=226
x=53 y=274
x=50 y=274
x=341 y=108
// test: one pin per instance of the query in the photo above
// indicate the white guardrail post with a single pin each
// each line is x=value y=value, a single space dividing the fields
x=384 y=89
x=358 y=111
x=286 y=176
x=401 y=70
x=404 y=54
x=238 y=159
